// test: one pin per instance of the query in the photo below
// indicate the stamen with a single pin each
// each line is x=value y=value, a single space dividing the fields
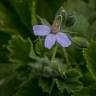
x=55 y=28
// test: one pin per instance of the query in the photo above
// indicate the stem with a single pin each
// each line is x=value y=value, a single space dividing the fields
x=51 y=88
x=12 y=31
x=66 y=56
x=33 y=12
x=54 y=53
x=76 y=33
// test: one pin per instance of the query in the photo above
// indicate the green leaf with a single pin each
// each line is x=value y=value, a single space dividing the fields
x=23 y=9
x=90 y=55
x=46 y=84
x=76 y=6
x=69 y=86
x=87 y=79
x=73 y=75
x=80 y=41
x=7 y=22
x=81 y=25
x=29 y=88
x=39 y=46
x=73 y=86
x=20 y=49
x=70 y=82
x=60 y=85
x=87 y=91
x=48 y=9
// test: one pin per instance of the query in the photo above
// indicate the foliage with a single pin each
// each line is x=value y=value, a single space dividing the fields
x=27 y=68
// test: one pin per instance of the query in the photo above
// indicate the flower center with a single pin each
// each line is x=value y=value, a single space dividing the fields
x=55 y=29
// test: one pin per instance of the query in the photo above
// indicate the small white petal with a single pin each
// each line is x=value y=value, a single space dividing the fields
x=41 y=30
x=50 y=41
x=63 y=39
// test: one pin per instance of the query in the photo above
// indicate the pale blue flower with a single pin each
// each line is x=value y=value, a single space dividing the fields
x=52 y=36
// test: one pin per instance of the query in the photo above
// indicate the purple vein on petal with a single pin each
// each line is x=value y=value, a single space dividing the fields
x=63 y=39
x=50 y=41
x=41 y=30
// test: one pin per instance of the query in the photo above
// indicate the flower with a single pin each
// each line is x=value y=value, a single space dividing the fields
x=52 y=34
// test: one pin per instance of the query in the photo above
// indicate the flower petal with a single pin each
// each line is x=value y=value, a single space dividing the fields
x=50 y=41
x=63 y=39
x=41 y=30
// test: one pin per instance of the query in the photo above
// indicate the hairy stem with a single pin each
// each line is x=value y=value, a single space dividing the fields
x=66 y=56
x=54 y=53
